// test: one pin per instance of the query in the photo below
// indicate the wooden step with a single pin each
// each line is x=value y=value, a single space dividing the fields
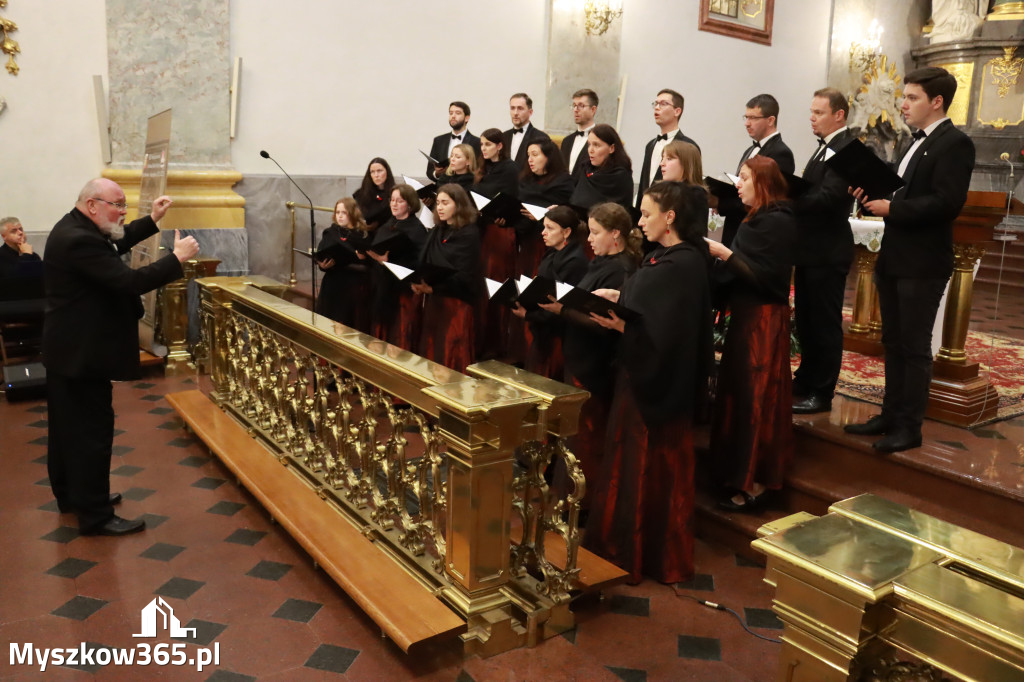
x=595 y=573
x=397 y=602
x=830 y=466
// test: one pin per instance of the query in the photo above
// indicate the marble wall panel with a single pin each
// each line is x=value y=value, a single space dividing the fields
x=268 y=220
x=170 y=55
x=578 y=60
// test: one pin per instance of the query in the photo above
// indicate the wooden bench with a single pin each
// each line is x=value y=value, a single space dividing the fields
x=403 y=608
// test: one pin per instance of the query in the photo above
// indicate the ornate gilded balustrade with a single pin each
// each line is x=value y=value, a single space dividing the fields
x=443 y=471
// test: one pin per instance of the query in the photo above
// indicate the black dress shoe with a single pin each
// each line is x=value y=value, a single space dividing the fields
x=876 y=426
x=897 y=442
x=115 y=526
x=811 y=405
x=115 y=498
x=750 y=502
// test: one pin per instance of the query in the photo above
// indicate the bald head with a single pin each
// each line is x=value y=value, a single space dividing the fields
x=102 y=202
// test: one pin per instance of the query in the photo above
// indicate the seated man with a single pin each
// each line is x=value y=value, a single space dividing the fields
x=15 y=251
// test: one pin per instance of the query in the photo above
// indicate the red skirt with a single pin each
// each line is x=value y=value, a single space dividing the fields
x=544 y=353
x=497 y=262
x=752 y=428
x=447 y=334
x=403 y=327
x=587 y=445
x=641 y=510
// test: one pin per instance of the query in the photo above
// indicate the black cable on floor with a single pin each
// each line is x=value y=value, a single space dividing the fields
x=720 y=607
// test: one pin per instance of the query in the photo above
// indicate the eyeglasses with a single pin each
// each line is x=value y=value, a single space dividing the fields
x=577 y=105
x=121 y=206
x=753 y=118
x=661 y=104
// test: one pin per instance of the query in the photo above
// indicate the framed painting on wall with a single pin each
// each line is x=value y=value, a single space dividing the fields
x=745 y=19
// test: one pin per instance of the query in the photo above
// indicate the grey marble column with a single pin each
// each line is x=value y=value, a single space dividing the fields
x=577 y=60
x=170 y=55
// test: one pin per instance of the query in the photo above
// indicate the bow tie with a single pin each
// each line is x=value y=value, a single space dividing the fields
x=516 y=131
x=919 y=134
x=581 y=133
x=663 y=136
x=456 y=137
x=821 y=142
x=756 y=144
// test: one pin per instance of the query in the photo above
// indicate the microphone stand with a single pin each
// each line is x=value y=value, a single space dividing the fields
x=312 y=228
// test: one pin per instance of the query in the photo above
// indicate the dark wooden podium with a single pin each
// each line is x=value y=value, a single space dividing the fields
x=960 y=394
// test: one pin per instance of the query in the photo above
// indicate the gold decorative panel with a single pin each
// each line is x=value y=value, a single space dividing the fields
x=964 y=74
x=1000 y=98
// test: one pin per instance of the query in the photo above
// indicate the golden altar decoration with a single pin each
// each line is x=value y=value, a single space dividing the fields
x=874 y=590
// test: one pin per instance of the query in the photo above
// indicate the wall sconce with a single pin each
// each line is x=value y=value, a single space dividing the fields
x=865 y=53
x=600 y=14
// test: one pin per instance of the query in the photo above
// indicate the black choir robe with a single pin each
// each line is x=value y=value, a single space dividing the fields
x=466 y=180
x=734 y=211
x=448 y=334
x=590 y=350
x=598 y=185
x=545 y=353
x=345 y=288
x=375 y=205
x=501 y=177
x=391 y=297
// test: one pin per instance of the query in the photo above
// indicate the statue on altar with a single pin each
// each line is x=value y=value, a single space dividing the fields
x=955 y=20
x=875 y=115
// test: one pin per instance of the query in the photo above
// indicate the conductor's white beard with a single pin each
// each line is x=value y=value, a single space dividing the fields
x=114 y=230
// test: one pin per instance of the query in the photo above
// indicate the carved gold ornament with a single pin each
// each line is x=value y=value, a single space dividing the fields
x=751 y=8
x=1005 y=70
x=8 y=45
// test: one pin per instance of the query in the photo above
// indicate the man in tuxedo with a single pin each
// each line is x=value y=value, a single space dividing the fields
x=916 y=258
x=522 y=134
x=14 y=251
x=441 y=147
x=668 y=108
x=574 y=145
x=91 y=338
x=824 y=252
x=761 y=121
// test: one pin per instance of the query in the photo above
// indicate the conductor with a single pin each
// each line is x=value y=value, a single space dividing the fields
x=90 y=338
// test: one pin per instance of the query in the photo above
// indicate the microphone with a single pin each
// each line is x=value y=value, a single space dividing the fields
x=1005 y=156
x=265 y=155
x=312 y=226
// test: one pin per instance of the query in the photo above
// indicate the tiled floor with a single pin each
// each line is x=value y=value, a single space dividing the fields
x=225 y=569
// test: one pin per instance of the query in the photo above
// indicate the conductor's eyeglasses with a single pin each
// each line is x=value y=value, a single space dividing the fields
x=120 y=206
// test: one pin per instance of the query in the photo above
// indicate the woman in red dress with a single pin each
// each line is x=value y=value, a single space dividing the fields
x=752 y=428
x=498 y=174
x=447 y=335
x=345 y=286
x=641 y=515
x=589 y=349
x=396 y=309
x=563 y=261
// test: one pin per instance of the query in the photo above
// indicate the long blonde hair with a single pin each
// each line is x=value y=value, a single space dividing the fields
x=689 y=159
x=470 y=155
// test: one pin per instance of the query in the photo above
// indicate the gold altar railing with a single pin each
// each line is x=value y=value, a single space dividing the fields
x=291 y=206
x=444 y=470
x=875 y=591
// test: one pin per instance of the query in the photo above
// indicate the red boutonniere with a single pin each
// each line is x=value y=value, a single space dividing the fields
x=653 y=261
x=591 y=173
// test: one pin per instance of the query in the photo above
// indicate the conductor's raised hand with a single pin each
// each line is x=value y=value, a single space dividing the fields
x=160 y=206
x=184 y=247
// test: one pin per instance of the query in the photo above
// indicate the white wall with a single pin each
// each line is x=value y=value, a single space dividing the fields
x=326 y=86
x=661 y=47
x=49 y=144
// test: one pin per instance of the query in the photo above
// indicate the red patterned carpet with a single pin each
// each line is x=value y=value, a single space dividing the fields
x=862 y=376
